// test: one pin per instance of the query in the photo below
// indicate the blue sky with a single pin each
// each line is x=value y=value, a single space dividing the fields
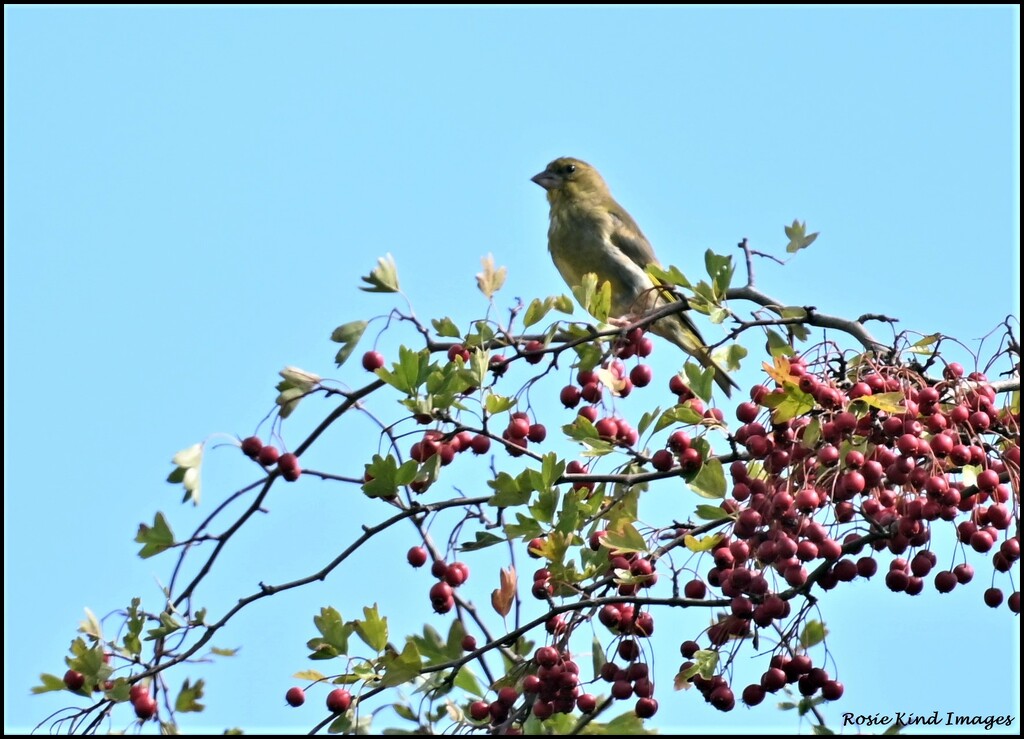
x=191 y=195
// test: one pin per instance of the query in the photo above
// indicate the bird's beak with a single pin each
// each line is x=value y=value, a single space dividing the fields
x=546 y=180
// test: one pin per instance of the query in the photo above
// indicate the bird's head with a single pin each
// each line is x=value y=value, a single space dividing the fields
x=570 y=179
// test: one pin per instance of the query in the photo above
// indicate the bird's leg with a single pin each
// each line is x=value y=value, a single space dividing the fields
x=623 y=321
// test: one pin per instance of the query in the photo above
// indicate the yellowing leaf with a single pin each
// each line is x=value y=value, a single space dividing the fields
x=705 y=544
x=503 y=598
x=189 y=457
x=888 y=402
x=490 y=279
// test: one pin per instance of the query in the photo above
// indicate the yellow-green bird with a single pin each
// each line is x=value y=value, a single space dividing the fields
x=590 y=232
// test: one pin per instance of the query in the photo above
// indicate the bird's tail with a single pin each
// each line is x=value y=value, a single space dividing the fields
x=681 y=331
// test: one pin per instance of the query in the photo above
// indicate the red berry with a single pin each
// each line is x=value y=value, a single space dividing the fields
x=468 y=643
x=537 y=433
x=479 y=710
x=629 y=649
x=289 y=463
x=373 y=361
x=137 y=692
x=695 y=589
x=251 y=446
x=641 y=375
x=586 y=703
x=456 y=574
x=533 y=546
x=531 y=684
x=542 y=709
x=662 y=460
x=753 y=694
x=338 y=701
x=518 y=428
x=74 y=680
x=416 y=556
x=268 y=455
x=533 y=350
x=546 y=656
x=508 y=696
x=993 y=597
x=570 y=396
x=295 y=696
x=646 y=707
x=145 y=707
x=480 y=444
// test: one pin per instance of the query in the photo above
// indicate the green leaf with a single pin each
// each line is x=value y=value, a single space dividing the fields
x=133 y=629
x=383 y=278
x=798 y=237
x=894 y=729
x=525 y=528
x=483 y=540
x=596 y=300
x=348 y=335
x=188 y=699
x=372 y=629
x=536 y=311
x=625 y=538
x=156 y=538
x=699 y=380
x=709 y=482
x=814 y=632
x=551 y=469
x=384 y=476
x=508 y=491
x=646 y=420
x=168 y=625
x=402 y=668
x=446 y=327
x=625 y=724
x=777 y=345
x=347 y=332
x=682 y=413
x=671 y=276
x=720 y=269
x=597 y=654
x=334 y=634
x=562 y=304
x=490 y=279
x=544 y=508
x=792 y=402
x=311 y=675
x=711 y=513
x=822 y=730
x=495 y=404
x=223 y=652
x=466 y=681
x=49 y=684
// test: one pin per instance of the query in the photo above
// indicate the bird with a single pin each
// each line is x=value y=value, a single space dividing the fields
x=590 y=232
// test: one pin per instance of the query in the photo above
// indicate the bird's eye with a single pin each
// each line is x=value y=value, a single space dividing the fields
x=570 y=168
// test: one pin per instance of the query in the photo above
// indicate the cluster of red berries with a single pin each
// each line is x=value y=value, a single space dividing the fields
x=268 y=455
x=520 y=432
x=632 y=680
x=450 y=576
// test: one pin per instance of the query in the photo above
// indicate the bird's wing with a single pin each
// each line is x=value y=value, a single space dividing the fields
x=627 y=238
